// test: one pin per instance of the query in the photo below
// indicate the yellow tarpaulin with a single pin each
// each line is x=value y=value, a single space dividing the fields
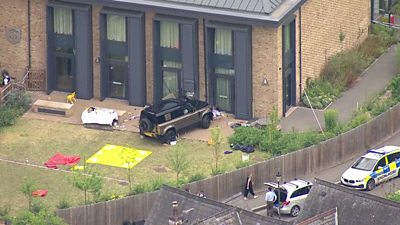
x=119 y=156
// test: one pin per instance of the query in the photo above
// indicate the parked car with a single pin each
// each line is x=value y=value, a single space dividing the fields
x=165 y=119
x=374 y=167
x=99 y=116
x=291 y=196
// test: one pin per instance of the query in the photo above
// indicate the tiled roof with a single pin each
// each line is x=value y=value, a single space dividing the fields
x=255 y=6
x=353 y=207
x=201 y=211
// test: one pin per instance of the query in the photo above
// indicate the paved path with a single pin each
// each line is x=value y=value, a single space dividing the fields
x=371 y=82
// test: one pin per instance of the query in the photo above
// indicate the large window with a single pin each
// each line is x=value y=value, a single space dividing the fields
x=169 y=34
x=223 y=42
x=116 y=28
x=223 y=69
x=63 y=21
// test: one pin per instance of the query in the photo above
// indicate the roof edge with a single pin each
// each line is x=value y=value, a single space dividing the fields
x=357 y=193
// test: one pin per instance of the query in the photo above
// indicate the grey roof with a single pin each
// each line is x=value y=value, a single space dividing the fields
x=261 y=12
x=228 y=217
x=257 y=6
x=353 y=207
x=201 y=210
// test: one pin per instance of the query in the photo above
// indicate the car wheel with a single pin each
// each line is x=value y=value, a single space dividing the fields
x=370 y=185
x=169 y=136
x=206 y=121
x=295 y=211
x=114 y=123
x=145 y=125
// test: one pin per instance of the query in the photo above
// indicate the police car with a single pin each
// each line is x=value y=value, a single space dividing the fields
x=376 y=166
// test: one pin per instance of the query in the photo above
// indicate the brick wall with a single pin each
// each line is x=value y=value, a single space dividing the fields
x=266 y=63
x=96 y=49
x=14 y=57
x=322 y=23
x=149 y=55
x=38 y=35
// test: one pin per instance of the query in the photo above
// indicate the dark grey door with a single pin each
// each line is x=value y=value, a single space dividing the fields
x=288 y=70
x=117 y=79
x=65 y=72
x=224 y=92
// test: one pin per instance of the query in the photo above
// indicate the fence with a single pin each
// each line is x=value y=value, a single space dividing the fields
x=301 y=163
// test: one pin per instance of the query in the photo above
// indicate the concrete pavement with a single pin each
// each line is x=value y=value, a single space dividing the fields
x=373 y=80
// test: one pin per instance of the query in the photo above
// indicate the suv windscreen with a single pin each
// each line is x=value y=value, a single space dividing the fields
x=283 y=194
x=363 y=163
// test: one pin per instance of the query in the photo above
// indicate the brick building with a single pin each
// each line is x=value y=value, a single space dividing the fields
x=244 y=56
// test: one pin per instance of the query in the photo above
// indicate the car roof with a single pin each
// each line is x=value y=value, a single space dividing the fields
x=380 y=152
x=165 y=105
x=291 y=185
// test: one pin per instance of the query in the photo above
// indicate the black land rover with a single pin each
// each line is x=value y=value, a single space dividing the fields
x=165 y=119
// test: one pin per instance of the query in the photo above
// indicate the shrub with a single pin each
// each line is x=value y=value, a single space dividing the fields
x=395 y=87
x=396 y=9
x=371 y=48
x=344 y=68
x=156 y=183
x=246 y=136
x=331 y=117
x=18 y=102
x=217 y=171
x=240 y=164
x=137 y=189
x=8 y=116
x=358 y=119
x=196 y=177
x=63 y=204
x=393 y=196
x=321 y=93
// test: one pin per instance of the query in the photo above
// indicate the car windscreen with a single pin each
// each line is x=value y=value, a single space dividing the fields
x=363 y=163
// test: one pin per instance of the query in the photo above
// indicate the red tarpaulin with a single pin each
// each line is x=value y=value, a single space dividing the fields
x=60 y=159
x=39 y=193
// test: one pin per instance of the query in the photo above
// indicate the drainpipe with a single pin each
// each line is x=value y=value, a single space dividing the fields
x=29 y=35
x=300 y=57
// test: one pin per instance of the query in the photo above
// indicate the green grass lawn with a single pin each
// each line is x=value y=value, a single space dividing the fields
x=35 y=141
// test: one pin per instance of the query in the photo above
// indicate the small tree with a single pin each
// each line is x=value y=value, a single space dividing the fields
x=27 y=187
x=216 y=141
x=178 y=160
x=87 y=180
x=129 y=159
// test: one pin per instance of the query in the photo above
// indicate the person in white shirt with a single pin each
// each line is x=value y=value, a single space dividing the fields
x=270 y=198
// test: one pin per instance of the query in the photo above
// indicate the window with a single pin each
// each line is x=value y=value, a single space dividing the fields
x=223 y=42
x=381 y=163
x=116 y=28
x=62 y=21
x=169 y=34
x=286 y=38
x=301 y=191
x=392 y=157
x=224 y=71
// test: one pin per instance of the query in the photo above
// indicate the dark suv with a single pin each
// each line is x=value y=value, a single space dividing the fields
x=165 y=119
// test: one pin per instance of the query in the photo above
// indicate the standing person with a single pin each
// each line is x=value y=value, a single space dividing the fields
x=270 y=198
x=249 y=188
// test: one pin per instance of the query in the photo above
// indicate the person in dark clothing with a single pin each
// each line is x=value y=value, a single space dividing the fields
x=249 y=188
x=6 y=78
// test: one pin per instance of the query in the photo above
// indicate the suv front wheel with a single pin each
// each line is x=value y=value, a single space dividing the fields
x=145 y=125
x=169 y=136
x=206 y=121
